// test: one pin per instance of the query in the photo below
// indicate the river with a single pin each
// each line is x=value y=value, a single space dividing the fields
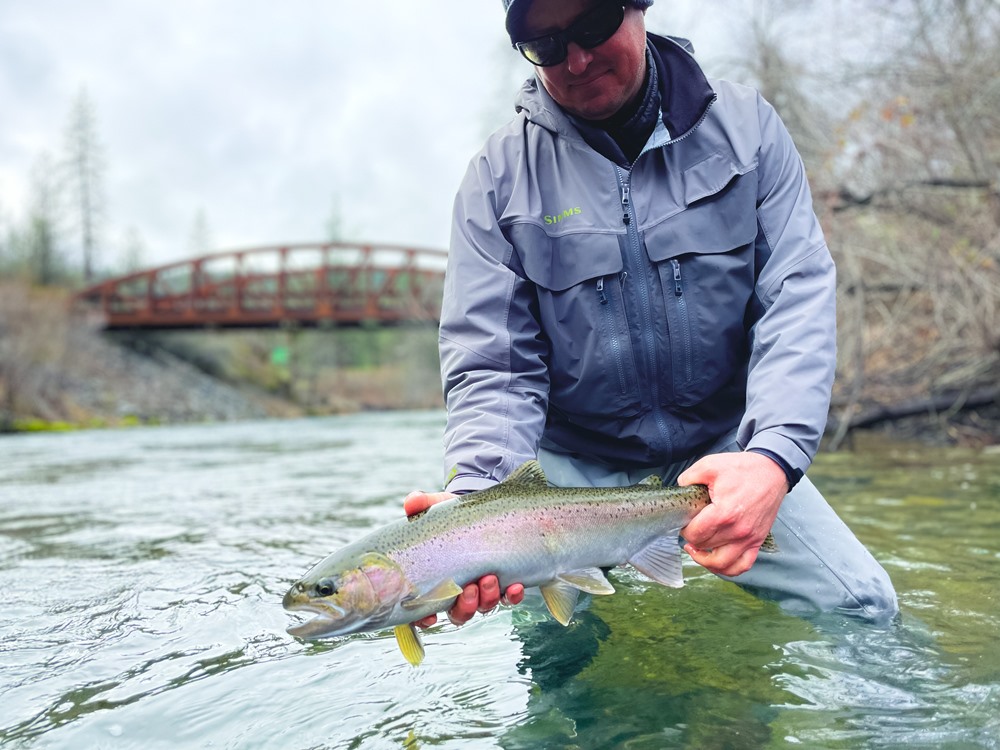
x=142 y=572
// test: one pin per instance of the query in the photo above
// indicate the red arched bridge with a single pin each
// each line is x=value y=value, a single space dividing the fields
x=309 y=284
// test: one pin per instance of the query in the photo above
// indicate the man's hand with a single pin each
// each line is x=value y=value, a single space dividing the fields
x=481 y=597
x=746 y=489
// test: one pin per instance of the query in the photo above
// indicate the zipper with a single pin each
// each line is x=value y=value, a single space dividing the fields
x=685 y=325
x=636 y=258
x=601 y=296
x=694 y=127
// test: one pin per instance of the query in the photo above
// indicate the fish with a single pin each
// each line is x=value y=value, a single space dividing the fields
x=523 y=530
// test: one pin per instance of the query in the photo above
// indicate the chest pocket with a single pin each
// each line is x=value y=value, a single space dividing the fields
x=704 y=257
x=577 y=278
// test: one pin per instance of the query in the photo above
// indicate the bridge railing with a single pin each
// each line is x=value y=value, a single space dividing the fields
x=308 y=284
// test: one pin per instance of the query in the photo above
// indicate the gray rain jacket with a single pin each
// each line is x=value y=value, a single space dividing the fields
x=635 y=316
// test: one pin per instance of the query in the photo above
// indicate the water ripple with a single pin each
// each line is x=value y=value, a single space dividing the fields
x=142 y=574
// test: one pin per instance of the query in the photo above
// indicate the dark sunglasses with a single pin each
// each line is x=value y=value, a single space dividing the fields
x=591 y=29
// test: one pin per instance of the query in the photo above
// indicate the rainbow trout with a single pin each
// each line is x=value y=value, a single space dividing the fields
x=522 y=530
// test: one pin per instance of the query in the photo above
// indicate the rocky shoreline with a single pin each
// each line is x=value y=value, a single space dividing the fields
x=58 y=371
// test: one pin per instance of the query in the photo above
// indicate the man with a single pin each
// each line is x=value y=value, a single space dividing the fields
x=638 y=284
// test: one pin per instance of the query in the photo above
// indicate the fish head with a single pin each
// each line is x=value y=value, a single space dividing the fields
x=347 y=593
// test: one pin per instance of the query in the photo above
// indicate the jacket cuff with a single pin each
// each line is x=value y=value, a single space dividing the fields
x=464 y=484
x=784 y=452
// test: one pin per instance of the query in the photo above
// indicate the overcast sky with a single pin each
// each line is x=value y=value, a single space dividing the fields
x=266 y=115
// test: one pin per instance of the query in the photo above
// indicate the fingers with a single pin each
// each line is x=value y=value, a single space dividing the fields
x=726 y=560
x=514 y=594
x=483 y=597
x=489 y=593
x=427 y=621
x=465 y=606
x=710 y=528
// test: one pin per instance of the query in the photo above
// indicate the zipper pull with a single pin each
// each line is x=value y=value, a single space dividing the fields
x=625 y=203
x=678 y=289
x=600 y=292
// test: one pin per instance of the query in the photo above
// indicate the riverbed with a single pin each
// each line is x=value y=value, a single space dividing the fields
x=142 y=572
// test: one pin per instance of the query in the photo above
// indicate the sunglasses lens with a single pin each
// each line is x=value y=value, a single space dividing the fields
x=589 y=31
x=599 y=26
x=543 y=52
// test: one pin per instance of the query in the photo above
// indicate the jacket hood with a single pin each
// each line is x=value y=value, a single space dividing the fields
x=685 y=92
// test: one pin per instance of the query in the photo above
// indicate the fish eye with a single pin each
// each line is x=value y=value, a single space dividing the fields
x=325 y=587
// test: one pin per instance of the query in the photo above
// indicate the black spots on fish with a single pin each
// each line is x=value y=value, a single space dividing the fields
x=325 y=587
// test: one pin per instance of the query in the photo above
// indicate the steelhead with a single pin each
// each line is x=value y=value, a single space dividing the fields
x=522 y=530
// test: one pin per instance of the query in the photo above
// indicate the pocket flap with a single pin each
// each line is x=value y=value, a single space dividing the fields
x=558 y=263
x=712 y=223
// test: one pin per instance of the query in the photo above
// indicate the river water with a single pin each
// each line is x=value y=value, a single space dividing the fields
x=142 y=572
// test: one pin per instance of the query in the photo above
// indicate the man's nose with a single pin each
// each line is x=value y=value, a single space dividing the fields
x=577 y=58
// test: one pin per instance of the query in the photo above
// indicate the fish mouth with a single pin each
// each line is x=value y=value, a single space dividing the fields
x=329 y=620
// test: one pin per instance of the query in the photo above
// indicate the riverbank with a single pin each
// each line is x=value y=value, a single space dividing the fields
x=58 y=371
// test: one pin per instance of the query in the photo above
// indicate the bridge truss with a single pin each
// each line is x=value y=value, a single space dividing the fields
x=308 y=284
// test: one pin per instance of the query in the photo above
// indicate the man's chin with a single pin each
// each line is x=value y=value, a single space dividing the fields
x=595 y=108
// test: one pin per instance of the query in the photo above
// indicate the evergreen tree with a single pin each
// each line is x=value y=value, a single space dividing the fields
x=335 y=221
x=200 y=241
x=39 y=240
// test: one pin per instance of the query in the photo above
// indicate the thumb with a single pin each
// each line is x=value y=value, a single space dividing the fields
x=419 y=501
x=700 y=472
x=416 y=502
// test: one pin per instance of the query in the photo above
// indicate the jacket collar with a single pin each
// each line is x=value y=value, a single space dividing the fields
x=685 y=91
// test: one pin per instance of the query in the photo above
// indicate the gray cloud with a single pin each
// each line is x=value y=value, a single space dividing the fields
x=260 y=113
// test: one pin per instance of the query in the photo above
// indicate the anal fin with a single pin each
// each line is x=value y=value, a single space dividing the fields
x=409 y=643
x=560 y=598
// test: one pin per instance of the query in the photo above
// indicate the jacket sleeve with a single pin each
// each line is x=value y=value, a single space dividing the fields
x=493 y=355
x=793 y=339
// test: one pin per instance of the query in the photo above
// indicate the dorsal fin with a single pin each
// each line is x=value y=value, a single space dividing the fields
x=653 y=480
x=528 y=474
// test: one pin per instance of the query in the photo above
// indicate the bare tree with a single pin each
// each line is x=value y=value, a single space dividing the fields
x=919 y=187
x=787 y=78
x=895 y=108
x=85 y=166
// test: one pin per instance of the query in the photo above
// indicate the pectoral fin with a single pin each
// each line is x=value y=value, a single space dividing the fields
x=444 y=593
x=591 y=580
x=409 y=643
x=661 y=561
x=560 y=598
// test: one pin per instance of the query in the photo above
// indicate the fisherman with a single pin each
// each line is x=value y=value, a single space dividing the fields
x=638 y=284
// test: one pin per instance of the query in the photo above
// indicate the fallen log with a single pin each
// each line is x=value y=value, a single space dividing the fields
x=935 y=404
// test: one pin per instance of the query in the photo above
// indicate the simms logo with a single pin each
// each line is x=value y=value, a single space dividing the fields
x=549 y=219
